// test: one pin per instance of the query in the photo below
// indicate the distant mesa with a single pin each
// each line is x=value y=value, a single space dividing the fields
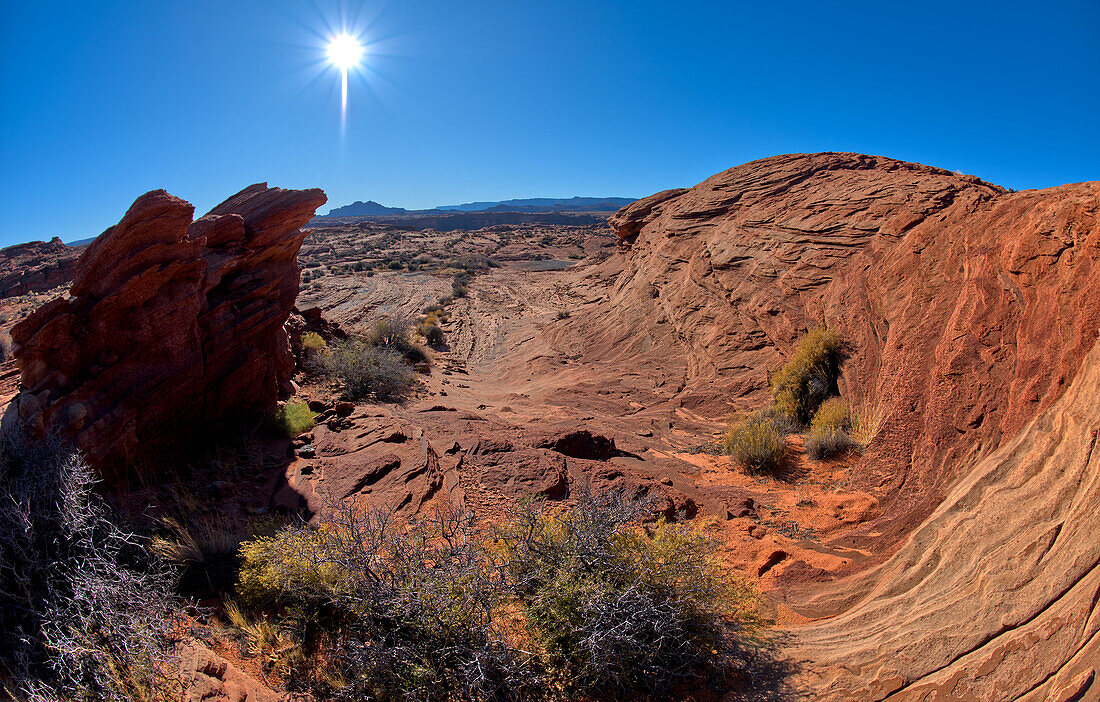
x=36 y=266
x=371 y=208
x=546 y=204
x=364 y=209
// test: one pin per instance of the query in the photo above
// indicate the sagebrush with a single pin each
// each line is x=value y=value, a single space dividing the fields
x=577 y=603
x=365 y=370
x=757 y=442
x=86 y=611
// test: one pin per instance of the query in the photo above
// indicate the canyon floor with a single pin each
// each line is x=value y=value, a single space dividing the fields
x=515 y=369
x=954 y=557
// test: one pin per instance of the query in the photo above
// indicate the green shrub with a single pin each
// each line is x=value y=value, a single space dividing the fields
x=393 y=333
x=459 y=290
x=431 y=333
x=829 y=430
x=389 y=331
x=832 y=415
x=563 y=314
x=365 y=370
x=619 y=612
x=809 y=376
x=578 y=604
x=756 y=443
x=312 y=342
x=409 y=611
x=294 y=418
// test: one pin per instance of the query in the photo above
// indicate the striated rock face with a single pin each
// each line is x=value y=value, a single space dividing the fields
x=994 y=596
x=171 y=326
x=36 y=266
x=973 y=316
x=968 y=309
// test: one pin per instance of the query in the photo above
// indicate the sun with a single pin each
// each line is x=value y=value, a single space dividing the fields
x=344 y=51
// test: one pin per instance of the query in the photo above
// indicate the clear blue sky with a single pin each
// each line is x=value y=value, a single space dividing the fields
x=489 y=100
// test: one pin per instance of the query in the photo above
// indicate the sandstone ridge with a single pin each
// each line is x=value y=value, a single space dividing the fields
x=972 y=314
x=968 y=309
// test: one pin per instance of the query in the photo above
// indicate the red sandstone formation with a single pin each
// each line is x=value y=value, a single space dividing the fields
x=968 y=309
x=171 y=326
x=36 y=266
x=973 y=316
x=994 y=596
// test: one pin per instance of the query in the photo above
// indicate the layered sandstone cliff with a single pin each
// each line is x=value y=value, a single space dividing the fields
x=36 y=266
x=171 y=327
x=968 y=309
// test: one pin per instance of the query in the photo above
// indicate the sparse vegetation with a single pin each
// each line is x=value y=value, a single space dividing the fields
x=563 y=314
x=86 y=611
x=313 y=343
x=809 y=376
x=828 y=430
x=822 y=444
x=867 y=419
x=460 y=282
x=832 y=415
x=756 y=443
x=429 y=325
x=572 y=604
x=431 y=332
x=203 y=550
x=393 y=334
x=617 y=611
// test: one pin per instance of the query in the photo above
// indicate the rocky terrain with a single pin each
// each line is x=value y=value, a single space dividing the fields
x=954 y=558
x=36 y=267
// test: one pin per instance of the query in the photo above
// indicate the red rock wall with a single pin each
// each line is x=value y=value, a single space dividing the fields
x=171 y=326
x=969 y=309
x=973 y=316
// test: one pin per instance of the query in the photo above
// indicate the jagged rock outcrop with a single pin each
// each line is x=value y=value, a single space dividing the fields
x=207 y=677
x=36 y=266
x=305 y=321
x=171 y=327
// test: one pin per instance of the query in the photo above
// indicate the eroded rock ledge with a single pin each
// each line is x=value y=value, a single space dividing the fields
x=170 y=327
